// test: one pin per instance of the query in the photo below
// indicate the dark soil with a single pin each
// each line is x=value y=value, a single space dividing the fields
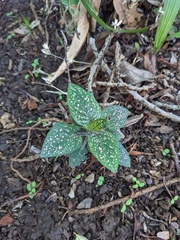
x=49 y=214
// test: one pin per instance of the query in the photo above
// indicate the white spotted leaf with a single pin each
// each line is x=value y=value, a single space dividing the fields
x=76 y=157
x=82 y=105
x=105 y=148
x=124 y=159
x=62 y=139
x=116 y=116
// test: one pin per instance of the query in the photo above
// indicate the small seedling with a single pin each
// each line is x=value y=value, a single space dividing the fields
x=31 y=187
x=29 y=122
x=127 y=203
x=27 y=25
x=60 y=95
x=11 y=35
x=165 y=152
x=100 y=180
x=9 y=14
x=44 y=123
x=136 y=46
x=26 y=76
x=174 y=199
x=96 y=128
x=79 y=176
x=35 y=65
x=137 y=183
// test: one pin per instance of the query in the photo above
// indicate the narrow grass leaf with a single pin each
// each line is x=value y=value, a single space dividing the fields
x=170 y=10
x=82 y=105
x=174 y=35
x=62 y=139
x=124 y=159
x=76 y=157
x=105 y=148
x=92 y=12
x=116 y=116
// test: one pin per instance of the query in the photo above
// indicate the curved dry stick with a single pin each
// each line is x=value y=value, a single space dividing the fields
x=27 y=141
x=122 y=200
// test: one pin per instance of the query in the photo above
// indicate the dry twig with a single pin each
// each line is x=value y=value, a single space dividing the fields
x=27 y=141
x=124 y=199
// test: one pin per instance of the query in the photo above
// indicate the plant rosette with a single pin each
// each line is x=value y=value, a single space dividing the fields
x=93 y=130
x=31 y=187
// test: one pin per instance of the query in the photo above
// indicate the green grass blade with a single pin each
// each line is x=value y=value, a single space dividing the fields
x=170 y=9
x=92 y=12
x=174 y=35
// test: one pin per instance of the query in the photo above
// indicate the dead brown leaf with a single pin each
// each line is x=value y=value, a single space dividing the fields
x=165 y=129
x=150 y=63
x=77 y=42
x=133 y=75
x=6 y=220
x=96 y=4
x=31 y=104
x=128 y=13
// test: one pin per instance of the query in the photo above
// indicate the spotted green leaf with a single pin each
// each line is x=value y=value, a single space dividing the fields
x=76 y=157
x=124 y=159
x=105 y=148
x=117 y=133
x=82 y=105
x=62 y=139
x=116 y=116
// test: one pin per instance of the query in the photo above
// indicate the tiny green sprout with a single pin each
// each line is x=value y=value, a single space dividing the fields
x=79 y=176
x=55 y=159
x=36 y=74
x=60 y=95
x=123 y=209
x=165 y=152
x=9 y=14
x=141 y=184
x=127 y=203
x=135 y=186
x=61 y=41
x=11 y=35
x=28 y=187
x=44 y=123
x=35 y=63
x=29 y=122
x=33 y=184
x=26 y=76
x=136 y=46
x=100 y=180
x=134 y=179
x=31 y=189
x=137 y=183
x=174 y=199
